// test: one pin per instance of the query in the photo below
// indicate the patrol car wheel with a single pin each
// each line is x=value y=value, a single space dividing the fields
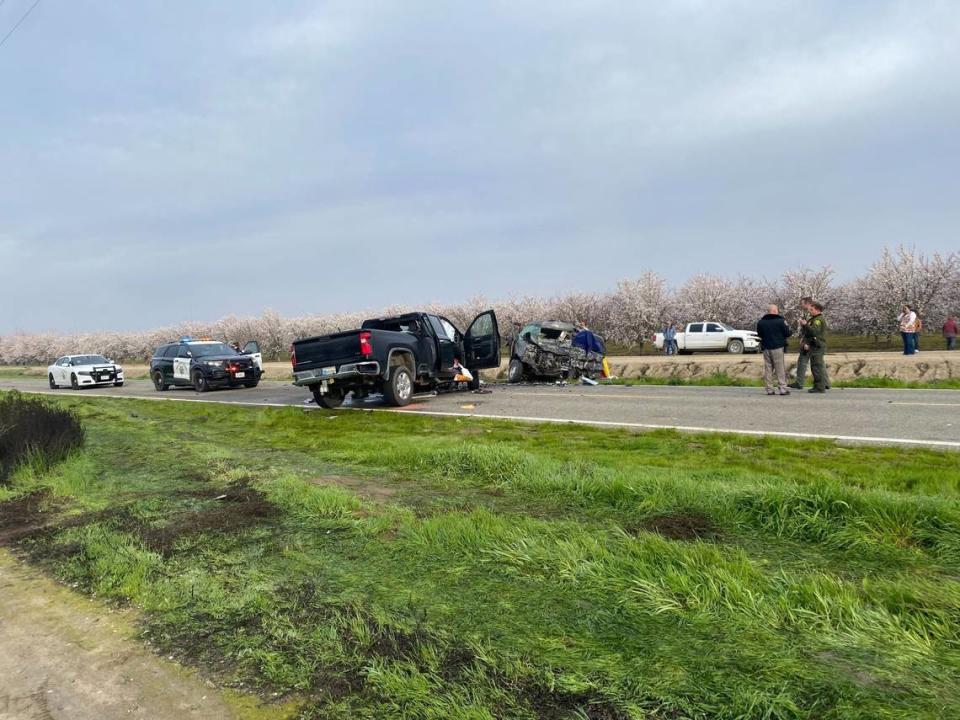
x=73 y=381
x=331 y=400
x=118 y=384
x=251 y=383
x=515 y=372
x=398 y=390
x=200 y=383
x=735 y=347
x=158 y=382
x=53 y=385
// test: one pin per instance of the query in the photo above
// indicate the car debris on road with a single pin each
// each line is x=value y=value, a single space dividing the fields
x=555 y=350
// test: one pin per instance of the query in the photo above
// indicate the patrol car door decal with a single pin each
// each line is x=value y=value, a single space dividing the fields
x=181 y=368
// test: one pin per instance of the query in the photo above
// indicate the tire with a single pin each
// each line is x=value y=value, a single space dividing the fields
x=735 y=347
x=330 y=400
x=118 y=384
x=398 y=390
x=158 y=384
x=53 y=385
x=200 y=383
x=251 y=383
x=74 y=383
x=515 y=371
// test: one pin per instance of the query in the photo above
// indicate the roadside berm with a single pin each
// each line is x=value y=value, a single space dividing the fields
x=923 y=367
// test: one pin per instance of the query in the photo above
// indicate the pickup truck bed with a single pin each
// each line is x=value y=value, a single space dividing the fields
x=394 y=356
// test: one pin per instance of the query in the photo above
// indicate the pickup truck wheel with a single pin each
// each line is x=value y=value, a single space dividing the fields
x=158 y=384
x=199 y=382
x=515 y=371
x=331 y=400
x=398 y=390
x=735 y=347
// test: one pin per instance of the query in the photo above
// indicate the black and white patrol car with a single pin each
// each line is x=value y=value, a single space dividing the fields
x=79 y=371
x=205 y=364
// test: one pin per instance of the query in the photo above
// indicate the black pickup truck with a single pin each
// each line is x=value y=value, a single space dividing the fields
x=395 y=356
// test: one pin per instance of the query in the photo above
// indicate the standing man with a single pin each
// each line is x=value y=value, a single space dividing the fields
x=950 y=332
x=669 y=339
x=774 y=331
x=803 y=358
x=907 y=320
x=814 y=340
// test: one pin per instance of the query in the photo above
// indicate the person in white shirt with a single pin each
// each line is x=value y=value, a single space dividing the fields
x=907 y=320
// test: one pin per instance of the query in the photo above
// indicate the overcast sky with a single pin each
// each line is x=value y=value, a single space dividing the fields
x=165 y=161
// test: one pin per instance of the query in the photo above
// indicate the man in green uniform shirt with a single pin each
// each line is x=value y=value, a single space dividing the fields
x=814 y=332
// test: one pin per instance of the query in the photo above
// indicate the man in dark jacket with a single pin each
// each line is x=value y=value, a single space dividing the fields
x=774 y=331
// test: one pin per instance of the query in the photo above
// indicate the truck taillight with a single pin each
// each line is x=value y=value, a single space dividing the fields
x=293 y=356
x=366 y=347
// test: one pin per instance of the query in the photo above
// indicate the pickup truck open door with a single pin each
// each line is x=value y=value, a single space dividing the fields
x=481 y=344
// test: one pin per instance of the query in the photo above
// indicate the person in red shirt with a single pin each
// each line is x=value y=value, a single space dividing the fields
x=950 y=332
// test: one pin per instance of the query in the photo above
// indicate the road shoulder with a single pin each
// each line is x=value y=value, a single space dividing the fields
x=65 y=656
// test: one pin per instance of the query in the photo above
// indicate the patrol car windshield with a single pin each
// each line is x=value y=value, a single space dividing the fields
x=213 y=348
x=88 y=360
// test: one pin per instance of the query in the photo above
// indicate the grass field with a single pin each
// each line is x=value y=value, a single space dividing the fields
x=383 y=566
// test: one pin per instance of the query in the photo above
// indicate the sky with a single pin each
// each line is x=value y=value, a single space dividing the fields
x=174 y=160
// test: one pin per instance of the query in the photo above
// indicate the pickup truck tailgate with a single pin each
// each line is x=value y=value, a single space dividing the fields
x=325 y=350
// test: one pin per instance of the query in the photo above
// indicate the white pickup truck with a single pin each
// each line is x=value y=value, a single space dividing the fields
x=708 y=336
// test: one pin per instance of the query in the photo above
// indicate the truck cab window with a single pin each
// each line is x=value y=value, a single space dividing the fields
x=696 y=328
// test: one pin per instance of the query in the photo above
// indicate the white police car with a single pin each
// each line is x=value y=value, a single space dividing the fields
x=79 y=371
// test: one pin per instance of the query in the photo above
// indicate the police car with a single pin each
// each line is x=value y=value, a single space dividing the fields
x=79 y=371
x=205 y=364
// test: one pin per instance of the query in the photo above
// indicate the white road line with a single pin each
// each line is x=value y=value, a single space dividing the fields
x=925 y=404
x=685 y=428
x=87 y=393
x=560 y=421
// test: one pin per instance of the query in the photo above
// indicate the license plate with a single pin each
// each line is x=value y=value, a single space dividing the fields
x=241 y=374
x=328 y=371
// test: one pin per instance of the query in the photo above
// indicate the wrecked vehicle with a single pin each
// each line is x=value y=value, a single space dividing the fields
x=555 y=350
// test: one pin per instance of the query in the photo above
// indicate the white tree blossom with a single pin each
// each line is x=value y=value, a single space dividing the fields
x=628 y=315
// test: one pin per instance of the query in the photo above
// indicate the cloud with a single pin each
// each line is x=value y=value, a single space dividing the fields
x=481 y=148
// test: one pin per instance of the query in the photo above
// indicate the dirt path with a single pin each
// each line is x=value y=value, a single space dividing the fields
x=65 y=657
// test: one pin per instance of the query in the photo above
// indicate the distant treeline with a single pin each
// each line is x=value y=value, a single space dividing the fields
x=626 y=315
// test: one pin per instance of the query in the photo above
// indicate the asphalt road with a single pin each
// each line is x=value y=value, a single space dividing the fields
x=903 y=417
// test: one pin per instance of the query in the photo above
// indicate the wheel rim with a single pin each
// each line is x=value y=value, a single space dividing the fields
x=404 y=386
x=736 y=347
x=157 y=380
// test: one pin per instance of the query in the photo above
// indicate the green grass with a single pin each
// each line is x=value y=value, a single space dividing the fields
x=721 y=378
x=387 y=566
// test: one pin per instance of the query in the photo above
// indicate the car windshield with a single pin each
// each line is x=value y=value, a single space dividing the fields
x=212 y=348
x=88 y=360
